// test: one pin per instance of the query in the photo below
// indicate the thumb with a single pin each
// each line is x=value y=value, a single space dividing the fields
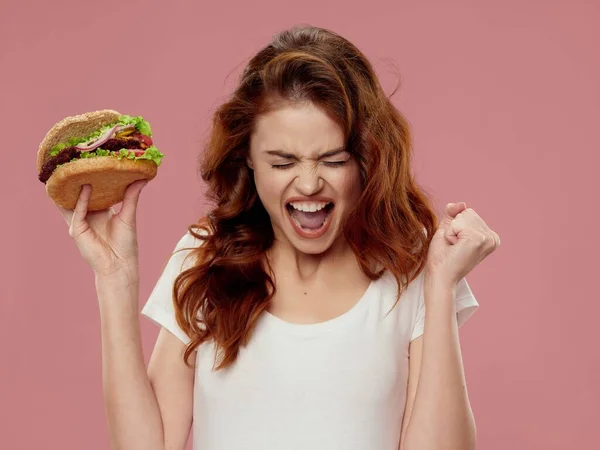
x=450 y=212
x=445 y=226
x=130 y=201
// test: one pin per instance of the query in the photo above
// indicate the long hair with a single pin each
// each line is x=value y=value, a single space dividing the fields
x=221 y=297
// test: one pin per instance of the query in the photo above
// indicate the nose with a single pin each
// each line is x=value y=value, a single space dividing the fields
x=308 y=182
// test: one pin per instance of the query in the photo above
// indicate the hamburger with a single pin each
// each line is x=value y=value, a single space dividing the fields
x=105 y=149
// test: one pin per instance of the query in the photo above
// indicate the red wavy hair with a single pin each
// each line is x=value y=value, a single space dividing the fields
x=221 y=297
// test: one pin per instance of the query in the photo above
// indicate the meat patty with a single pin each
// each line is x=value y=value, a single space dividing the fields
x=64 y=156
x=135 y=141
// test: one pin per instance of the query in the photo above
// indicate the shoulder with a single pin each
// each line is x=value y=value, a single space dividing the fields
x=412 y=288
x=181 y=255
x=193 y=238
x=404 y=299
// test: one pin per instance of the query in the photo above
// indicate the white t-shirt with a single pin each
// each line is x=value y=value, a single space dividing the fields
x=335 y=385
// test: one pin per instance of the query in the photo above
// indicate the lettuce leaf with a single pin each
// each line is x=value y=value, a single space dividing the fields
x=56 y=149
x=140 y=124
x=151 y=153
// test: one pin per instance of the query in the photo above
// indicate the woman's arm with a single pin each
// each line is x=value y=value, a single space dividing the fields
x=149 y=410
x=437 y=413
x=173 y=385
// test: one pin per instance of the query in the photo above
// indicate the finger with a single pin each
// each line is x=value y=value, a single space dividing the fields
x=451 y=233
x=450 y=236
x=450 y=212
x=66 y=213
x=130 y=201
x=496 y=239
x=454 y=228
x=81 y=209
x=452 y=209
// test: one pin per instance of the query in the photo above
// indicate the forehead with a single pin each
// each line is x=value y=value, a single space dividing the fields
x=304 y=130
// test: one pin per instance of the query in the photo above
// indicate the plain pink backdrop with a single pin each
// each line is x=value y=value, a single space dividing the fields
x=504 y=101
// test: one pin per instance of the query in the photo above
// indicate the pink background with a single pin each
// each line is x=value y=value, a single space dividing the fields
x=504 y=100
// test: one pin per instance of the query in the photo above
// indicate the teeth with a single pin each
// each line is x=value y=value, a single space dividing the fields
x=308 y=207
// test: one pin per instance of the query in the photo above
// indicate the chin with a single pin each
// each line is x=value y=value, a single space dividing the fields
x=309 y=244
x=311 y=248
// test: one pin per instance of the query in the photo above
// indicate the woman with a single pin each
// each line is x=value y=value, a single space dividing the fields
x=293 y=315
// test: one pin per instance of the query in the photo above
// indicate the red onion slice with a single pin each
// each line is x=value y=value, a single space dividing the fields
x=98 y=142
x=108 y=134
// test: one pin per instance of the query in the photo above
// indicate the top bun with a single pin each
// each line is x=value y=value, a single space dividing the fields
x=80 y=125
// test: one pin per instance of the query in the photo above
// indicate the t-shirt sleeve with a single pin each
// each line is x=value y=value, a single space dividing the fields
x=466 y=304
x=159 y=305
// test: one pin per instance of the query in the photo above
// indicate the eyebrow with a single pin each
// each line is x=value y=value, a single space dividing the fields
x=327 y=154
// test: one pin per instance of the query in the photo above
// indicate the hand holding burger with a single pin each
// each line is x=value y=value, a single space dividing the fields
x=89 y=163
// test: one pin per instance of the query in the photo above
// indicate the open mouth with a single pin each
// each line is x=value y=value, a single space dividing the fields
x=310 y=217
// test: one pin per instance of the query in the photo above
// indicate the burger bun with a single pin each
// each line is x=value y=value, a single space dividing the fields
x=108 y=176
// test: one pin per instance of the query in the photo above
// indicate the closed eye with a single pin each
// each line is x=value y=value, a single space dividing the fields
x=334 y=163
x=326 y=163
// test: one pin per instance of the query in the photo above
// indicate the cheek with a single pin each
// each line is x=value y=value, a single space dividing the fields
x=270 y=188
x=348 y=184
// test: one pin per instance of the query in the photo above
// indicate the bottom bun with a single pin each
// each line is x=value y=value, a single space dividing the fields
x=108 y=176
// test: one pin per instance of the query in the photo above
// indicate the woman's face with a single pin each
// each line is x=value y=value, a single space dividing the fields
x=305 y=179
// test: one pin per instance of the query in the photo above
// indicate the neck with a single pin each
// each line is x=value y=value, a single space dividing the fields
x=288 y=261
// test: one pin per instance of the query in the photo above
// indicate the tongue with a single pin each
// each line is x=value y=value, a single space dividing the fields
x=310 y=219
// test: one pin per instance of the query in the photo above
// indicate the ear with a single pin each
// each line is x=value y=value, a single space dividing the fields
x=249 y=162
